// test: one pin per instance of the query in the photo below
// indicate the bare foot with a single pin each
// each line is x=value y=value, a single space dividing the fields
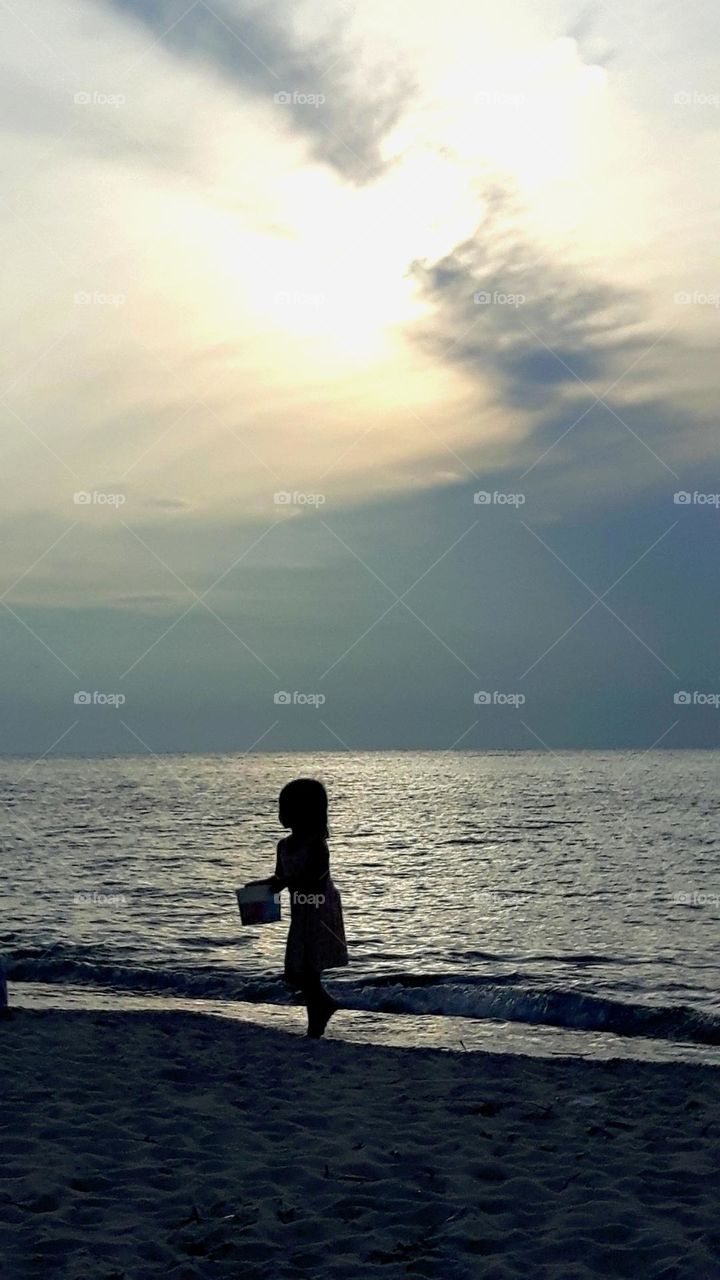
x=318 y=1020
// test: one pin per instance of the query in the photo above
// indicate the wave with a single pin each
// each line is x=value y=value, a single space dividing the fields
x=573 y=1010
x=571 y=958
x=506 y=998
x=52 y=966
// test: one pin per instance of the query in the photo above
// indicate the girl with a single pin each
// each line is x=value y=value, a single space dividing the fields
x=316 y=939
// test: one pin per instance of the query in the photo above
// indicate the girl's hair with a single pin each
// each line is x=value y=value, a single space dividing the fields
x=304 y=806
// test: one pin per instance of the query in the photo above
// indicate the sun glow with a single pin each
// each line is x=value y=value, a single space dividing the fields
x=342 y=273
x=338 y=271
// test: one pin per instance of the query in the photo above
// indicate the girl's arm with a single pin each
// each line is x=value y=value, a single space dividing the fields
x=307 y=864
x=277 y=882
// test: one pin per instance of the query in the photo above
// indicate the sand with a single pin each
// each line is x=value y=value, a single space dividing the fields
x=148 y=1144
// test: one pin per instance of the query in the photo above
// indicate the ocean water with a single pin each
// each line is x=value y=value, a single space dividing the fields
x=547 y=903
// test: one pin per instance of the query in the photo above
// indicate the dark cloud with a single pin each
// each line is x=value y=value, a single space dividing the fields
x=260 y=50
x=507 y=311
x=572 y=339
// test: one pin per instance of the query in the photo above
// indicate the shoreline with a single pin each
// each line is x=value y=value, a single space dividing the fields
x=446 y=1032
x=142 y=1144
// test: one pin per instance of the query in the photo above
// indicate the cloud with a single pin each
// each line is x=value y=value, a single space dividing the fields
x=602 y=391
x=504 y=308
x=595 y=48
x=204 y=387
x=262 y=50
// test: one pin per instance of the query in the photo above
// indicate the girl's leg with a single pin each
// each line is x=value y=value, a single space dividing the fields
x=320 y=1005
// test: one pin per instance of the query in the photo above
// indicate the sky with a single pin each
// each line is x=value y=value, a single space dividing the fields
x=358 y=375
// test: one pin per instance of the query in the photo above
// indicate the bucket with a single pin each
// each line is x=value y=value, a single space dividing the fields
x=258 y=904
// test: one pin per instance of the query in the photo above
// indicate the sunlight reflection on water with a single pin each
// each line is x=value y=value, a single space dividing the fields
x=571 y=872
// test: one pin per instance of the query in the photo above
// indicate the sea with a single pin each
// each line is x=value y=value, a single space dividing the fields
x=527 y=902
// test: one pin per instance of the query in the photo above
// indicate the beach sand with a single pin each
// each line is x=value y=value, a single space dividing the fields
x=149 y=1144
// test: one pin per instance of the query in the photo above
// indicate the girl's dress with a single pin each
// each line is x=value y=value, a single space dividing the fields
x=316 y=940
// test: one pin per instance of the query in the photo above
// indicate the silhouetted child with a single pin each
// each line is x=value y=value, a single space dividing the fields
x=316 y=940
